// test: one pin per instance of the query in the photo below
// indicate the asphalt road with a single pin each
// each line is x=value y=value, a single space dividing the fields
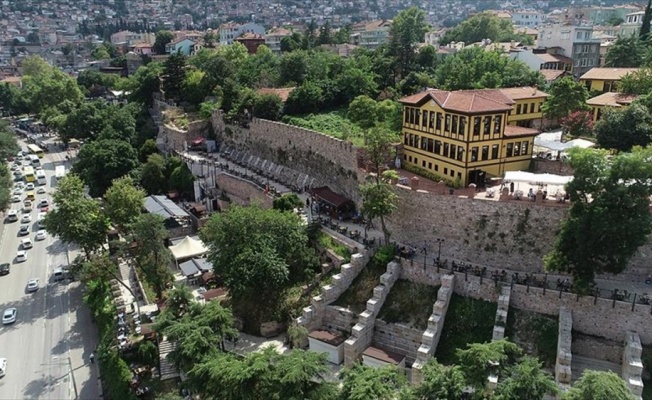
x=48 y=347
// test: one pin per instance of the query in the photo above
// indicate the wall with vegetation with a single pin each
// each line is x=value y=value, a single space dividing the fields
x=398 y=338
x=513 y=235
x=332 y=162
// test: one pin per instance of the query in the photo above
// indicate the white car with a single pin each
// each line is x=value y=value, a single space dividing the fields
x=33 y=285
x=9 y=316
x=21 y=256
x=18 y=191
x=3 y=367
x=29 y=186
x=26 y=243
x=40 y=217
x=26 y=218
x=40 y=190
x=12 y=215
x=15 y=198
x=20 y=185
x=40 y=234
x=43 y=203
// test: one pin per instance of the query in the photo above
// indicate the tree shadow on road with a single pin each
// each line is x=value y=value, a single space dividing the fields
x=38 y=387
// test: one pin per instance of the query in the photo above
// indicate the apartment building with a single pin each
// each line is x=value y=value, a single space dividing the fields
x=274 y=37
x=527 y=18
x=230 y=31
x=574 y=41
x=370 y=35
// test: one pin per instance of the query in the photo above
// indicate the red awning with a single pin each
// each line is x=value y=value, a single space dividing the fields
x=199 y=140
x=328 y=196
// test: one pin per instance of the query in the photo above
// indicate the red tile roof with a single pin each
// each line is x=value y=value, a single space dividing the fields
x=516 y=131
x=327 y=337
x=466 y=101
x=384 y=355
x=612 y=99
x=552 y=74
x=607 y=74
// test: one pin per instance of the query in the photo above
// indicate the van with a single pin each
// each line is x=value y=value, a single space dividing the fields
x=3 y=367
x=58 y=274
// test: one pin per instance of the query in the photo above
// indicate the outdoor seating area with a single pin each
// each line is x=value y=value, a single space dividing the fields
x=334 y=205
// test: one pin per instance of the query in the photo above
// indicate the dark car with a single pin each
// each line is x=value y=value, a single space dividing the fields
x=4 y=268
x=24 y=230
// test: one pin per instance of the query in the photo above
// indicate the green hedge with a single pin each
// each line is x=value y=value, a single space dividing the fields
x=115 y=373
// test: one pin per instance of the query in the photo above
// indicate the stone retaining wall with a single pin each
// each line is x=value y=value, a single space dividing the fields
x=242 y=192
x=552 y=167
x=563 y=373
x=339 y=319
x=598 y=348
x=398 y=338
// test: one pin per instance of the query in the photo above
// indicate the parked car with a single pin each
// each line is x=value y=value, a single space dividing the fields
x=9 y=316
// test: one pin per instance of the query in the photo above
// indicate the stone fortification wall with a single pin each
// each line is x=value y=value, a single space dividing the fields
x=595 y=317
x=398 y=338
x=513 y=235
x=542 y=166
x=177 y=138
x=339 y=319
x=332 y=162
x=242 y=192
x=563 y=372
x=602 y=349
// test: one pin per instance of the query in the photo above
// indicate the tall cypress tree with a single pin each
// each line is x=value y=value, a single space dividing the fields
x=647 y=18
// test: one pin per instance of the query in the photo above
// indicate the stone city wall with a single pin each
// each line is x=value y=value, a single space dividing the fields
x=242 y=192
x=599 y=348
x=511 y=235
x=604 y=319
x=339 y=319
x=398 y=338
x=542 y=166
x=177 y=139
x=332 y=162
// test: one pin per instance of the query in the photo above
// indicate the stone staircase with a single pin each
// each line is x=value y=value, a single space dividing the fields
x=632 y=369
x=430 y=338
x=501 y=313
x=166 y=369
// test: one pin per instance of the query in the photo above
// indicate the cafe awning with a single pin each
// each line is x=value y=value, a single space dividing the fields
x=188 y=268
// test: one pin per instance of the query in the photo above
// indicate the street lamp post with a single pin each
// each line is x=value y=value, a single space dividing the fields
x=439 y=242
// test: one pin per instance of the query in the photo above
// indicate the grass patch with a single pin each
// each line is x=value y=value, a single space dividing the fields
x=536 y=333
x=467 y=321
x=327 y=241
x=409 y=303
x=333 y=123
x=356 y=296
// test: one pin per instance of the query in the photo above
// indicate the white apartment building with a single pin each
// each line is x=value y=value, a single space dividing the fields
x=274 y=37
x=632 y=24
x=230 y=31
x=574 y=41
x=372 y=34
x=527 y=18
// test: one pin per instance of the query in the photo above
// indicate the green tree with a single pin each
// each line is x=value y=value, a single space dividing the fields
x=363 y=111
x=147 y=353
x=637 y=82
x=76 y=218
x=124 y=202
x=362 y=383
x=378 y=197
x=102 y=161
x=144 y=83
x=526 y=380
x=259 y=254
x=45 y=86
x=578 y=123
x=609 y=217
x=440 y=382
x=479 y=360
x=148 y=148
x=482 y=26
x=8 y=147
x=354 y=81
x=194 y=90
x=174 y=76
x=566 y=96
x=305 y=99
x=268 y=106
x=644 y=33
x=151 y=255
x=163 y=37
x=476 y=68
x=406 y=32
x=599 y=385
x=12 y=99
x=325 y=33
x=84 y=122
x=181 y=180
x=625 y=52
x=100 y=53
x=152 y=177
x=622 y=129
x=287 y=202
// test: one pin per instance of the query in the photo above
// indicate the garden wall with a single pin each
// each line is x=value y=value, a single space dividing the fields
x=331 y=161
x=339 y=319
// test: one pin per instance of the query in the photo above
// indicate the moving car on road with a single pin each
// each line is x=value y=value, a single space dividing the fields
x=4 y=269
x=24 y=230
x=12 y=215
x=40 y=190
x=26 y=218
x=33 y=285
x=9 y=316
x=21 y=256
x=3 y=367
x=40 y=235
x=26 y=243
x=15 y=198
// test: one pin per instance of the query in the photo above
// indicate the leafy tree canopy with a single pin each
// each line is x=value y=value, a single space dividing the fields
x=481 y=26
x=566 y=97
x=124 y=202
x=598 y=385
x=622 y=129
x=609 y=218
x=102 y=161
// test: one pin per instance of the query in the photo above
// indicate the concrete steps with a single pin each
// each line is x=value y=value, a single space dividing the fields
x=166 y=369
